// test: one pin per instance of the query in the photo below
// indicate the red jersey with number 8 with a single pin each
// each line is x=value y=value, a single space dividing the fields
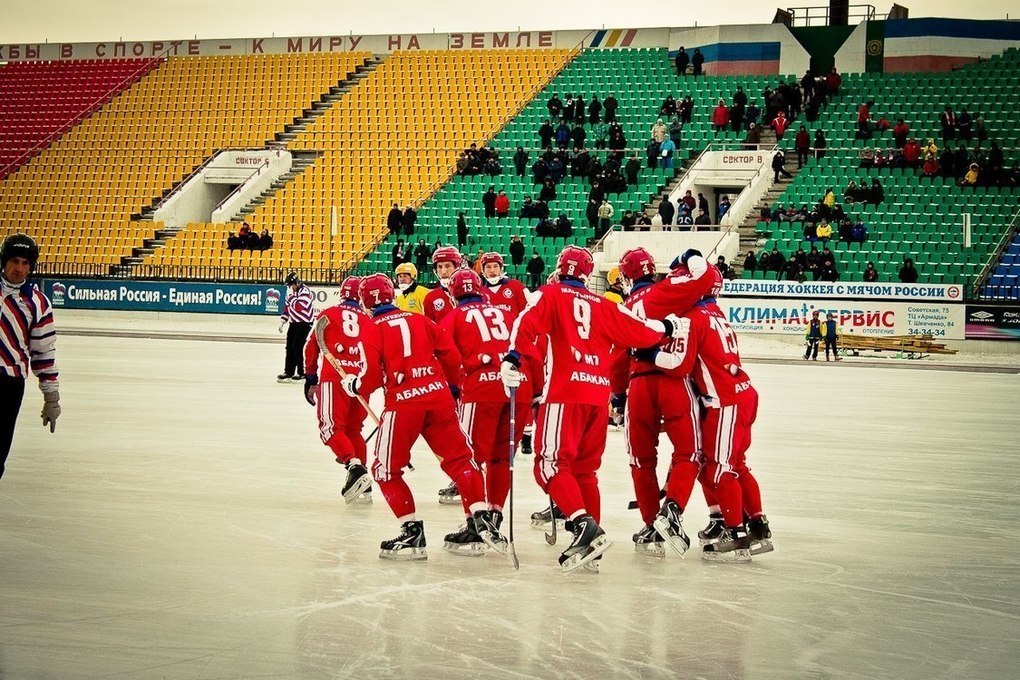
x=342 y=336
x=582 y=327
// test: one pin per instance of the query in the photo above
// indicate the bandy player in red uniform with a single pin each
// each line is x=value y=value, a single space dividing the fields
x=481 y=332
x=341 y=416
x=438 y=303
x=731 y=406
x=658 y=398
x=571 y=424
x=419 y=368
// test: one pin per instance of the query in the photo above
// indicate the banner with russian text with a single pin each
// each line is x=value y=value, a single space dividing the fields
x=848 y=289
x=165 y=296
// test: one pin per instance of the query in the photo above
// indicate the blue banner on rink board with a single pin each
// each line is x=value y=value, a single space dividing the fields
x=165 y=296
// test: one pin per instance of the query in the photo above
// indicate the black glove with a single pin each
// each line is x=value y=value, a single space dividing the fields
x=311 y=388
x=618 y=401
x=645 y=354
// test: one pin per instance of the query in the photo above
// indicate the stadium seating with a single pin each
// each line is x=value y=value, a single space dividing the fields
x=1004 y=282
x=919 y=218
x=40 y=100
x=78 y=195
x=639 y=79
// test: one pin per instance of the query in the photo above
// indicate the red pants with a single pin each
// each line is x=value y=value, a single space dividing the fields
x=398 y=430
x=727 y=436
x=487 y=426
x=657 y=402
x=340 y=421
x=569 y=441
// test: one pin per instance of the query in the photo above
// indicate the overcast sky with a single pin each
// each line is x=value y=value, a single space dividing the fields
x=35 y=21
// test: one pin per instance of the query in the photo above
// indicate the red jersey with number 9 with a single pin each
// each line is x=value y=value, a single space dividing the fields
x=418 y=362
x=582 y=327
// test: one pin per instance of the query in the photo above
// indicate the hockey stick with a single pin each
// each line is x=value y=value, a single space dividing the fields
x=513 y=451
x=320 y=339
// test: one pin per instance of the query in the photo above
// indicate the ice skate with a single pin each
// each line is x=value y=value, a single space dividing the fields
x=589 y=542
x=487 y=524
x=543 y=518
x=713 y=532
x=409 y=545
x=668 y=524
x=450 y=495
x=733 y=546
x=760 y=535
x=526 y=444
x=282 y=378
x=358 y=484
x=649 y=542
x=595 y=566
x=465 y=542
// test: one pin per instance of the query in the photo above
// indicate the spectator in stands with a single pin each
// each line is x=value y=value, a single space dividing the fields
x=605 y=217
x=555 y=107
x=820 y=144
x=779 y=165
x=477 y=266
x=462 y=234
x=971 y=178
x=521 y=159
x=752 y=114
x=772 y=261
x=965 y=125
x=245 y=231
x=265 y=240
x=750 y=262
x=682 y=61
x=833 y=81
x=666 y=210
x=536 y=271
x=399 y=254
x=689 y=201
x=632 y=169
x=802 y=142
x=546 y=132
x=609 y=106
x=908 y=274
x=948 y=122
x=828 y=271
x=686 y=110
x=877 y=194
x=422 y=255
x=659 y=131
x=780 y=123
x=668 y=107
x=702 y=202
x=666 y=151
x=698 y=61
x=853 y=193
x=579 y=109
x=394 y=220
x=931 y=167
x=724 y=207
x=233 y=241
x=807 y=84
x=829 y=201
x=502 y=205
x=753 y=137
x=489 y=202
x=578 y=136
x=724 y=269
x=870 y=273
x=408 y=220
x=702 y=218
x=516 y=251
x=814 y=262
x=900 y=132
x=823 y=231
x=720 y=117
x=979 y=129
x=858 y=232
x=676 y=130
x=912 y=153
x=547 y=192
x=652 y=154
x=562 y=135
x=791 y=272
x=684 y=219
x=628 y=220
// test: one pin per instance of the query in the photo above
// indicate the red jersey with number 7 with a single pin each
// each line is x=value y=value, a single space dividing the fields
x=481 y=332
x=418 y=363
x=583 y=328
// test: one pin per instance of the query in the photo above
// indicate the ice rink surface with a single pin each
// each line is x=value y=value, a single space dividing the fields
x=184 y=522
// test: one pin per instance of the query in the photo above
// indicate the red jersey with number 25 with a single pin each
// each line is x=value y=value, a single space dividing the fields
x=710 y=352
x=418 y=362
x=582 y=328
x=481 y=333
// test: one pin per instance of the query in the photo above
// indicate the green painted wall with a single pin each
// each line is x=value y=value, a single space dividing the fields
x=822 y=43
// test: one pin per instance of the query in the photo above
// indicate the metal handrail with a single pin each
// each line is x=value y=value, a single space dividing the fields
x=993 y=259
x=237 y=189
x=82 y=115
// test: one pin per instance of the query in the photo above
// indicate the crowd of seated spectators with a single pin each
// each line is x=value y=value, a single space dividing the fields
x=247 y=238
x=477 y=161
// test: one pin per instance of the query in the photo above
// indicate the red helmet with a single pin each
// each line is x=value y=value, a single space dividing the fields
x=493 y=257
x=717 y=280
x=464 y=282
x=349 y=288
x=447 y=254
x=636 y=263
x=576 y=262
x=376 y=290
